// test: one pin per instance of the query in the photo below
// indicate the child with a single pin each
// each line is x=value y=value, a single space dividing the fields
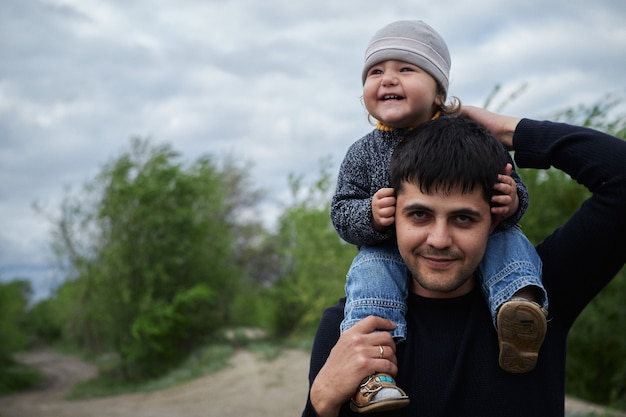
x=405 y=83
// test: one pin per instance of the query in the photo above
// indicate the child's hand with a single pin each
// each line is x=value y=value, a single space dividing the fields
x=383 y=208
x=506 y=202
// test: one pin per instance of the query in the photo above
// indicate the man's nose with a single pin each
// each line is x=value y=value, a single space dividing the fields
x=439 y=236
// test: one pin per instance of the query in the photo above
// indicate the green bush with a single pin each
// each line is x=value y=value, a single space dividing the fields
x=15 y=377
x=166 y=333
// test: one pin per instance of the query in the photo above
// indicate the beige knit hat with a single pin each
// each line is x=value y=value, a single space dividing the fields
x=411 y=41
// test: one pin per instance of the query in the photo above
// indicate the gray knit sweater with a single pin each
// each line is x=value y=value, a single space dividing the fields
x=365 y=170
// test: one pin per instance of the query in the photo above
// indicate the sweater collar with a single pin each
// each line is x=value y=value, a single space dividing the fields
x=381 y=126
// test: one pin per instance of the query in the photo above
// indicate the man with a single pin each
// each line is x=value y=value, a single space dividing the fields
x=443 y=175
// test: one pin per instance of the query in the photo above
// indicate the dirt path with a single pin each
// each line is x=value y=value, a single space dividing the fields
x=249 y=387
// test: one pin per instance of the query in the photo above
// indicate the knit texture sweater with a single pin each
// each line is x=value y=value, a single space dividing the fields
x=364 y=171
x=449 y=362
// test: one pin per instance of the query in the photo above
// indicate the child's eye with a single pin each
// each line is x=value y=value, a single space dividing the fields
x=376 y=71
x=407 y=69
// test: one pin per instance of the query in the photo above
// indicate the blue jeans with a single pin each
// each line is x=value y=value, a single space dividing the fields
x=378 y=279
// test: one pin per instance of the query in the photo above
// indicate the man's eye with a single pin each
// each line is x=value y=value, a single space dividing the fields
x=464 y=219
x=418 y=215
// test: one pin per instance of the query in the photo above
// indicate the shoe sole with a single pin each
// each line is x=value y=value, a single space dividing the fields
x=382 y=405
x=521 y=330
x=372 y=386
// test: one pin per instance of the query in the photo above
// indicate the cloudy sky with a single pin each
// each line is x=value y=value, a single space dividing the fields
x=275 y=83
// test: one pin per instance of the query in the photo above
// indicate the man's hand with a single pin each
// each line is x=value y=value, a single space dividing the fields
x=355 y=356
x=501 y=126
x=383 y=208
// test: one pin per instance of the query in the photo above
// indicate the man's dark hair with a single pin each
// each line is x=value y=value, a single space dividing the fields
x=446 y=154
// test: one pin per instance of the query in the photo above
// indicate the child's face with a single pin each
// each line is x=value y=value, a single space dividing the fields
x=400 y=94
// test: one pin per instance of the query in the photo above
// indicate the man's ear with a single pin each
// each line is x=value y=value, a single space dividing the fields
x=495 y=221
x=493 y=225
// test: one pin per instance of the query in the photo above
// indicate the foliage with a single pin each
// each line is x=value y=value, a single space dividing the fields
x=259 y=260
x=596 y=369
x=15 y=376
x=42 y=324
x=159 y=333
x=14 y=336
x=312 y=258
x=606 y=115
x=150 y=246
x=14 y=297
x=553 y=198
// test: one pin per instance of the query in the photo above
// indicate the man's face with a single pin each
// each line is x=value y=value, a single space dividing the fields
x=442 y=239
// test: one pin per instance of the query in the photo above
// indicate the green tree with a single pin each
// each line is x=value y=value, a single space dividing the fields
x=14 y=298
x=313 y=258
x=44 y=327
x=151 y=249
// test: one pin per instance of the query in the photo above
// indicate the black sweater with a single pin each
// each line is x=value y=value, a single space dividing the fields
x=449 y=363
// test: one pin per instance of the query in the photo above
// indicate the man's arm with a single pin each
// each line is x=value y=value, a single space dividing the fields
x=584 y=254
x=587 y=251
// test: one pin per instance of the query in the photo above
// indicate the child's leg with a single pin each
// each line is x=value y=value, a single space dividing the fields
x=511 y=266
x=377 y=284
x=511 y=282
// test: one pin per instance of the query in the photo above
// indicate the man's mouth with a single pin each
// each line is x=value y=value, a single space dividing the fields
x=439 y=261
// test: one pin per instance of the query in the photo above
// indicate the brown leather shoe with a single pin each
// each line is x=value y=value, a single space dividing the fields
x=370 y=398
x=522 y=326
